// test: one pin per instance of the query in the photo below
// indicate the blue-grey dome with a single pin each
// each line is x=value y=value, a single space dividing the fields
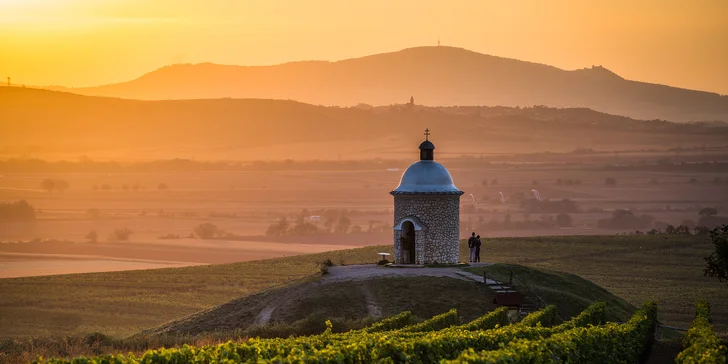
x=426 y=177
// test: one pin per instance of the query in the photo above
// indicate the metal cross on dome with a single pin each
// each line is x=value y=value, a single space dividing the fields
x=427 y=134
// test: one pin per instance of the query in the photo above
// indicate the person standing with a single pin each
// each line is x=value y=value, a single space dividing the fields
x=471 y=245
x=478 y=243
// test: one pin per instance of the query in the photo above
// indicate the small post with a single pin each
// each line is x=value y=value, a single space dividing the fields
x=510 y=280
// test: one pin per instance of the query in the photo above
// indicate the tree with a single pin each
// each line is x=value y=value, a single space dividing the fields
x=280 y=228
x=120 y=235
x=48 y=185
x=54 y=184
x=342 y=226
x=61 y=184
x=92 y=236
x=708 y=212
x=304 y=228
x=610 y=181
x=17 y=211
x=717 y=261
x=563 y=220
x=207 y=231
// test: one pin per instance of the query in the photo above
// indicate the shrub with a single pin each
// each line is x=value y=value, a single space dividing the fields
x=701 y=344
x=493 y=319
x=626 y=343
x=328 y=263
x=438 y=322
x=545 y=317
x=612 y=343
x=395 y=322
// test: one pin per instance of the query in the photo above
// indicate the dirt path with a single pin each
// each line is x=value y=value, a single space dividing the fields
x=363 y=272
x=373 y=307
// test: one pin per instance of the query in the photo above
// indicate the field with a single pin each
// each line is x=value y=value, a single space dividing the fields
x=246 y=203
x=637 y=268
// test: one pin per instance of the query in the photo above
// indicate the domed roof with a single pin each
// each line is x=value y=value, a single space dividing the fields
x=426 y=177
x=427 y=145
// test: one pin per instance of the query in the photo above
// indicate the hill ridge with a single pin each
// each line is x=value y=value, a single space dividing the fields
x=434 y=75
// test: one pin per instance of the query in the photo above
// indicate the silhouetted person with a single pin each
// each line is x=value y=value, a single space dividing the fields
x=471 y=244
x=478 y=243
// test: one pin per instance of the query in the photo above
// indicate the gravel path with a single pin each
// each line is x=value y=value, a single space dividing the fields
x=368 y=271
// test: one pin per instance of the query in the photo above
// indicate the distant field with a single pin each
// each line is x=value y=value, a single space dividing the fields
x=246 y=203
x=636 y=268
x=258 y=199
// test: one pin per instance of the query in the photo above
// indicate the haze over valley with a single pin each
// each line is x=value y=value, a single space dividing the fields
x=285 y=181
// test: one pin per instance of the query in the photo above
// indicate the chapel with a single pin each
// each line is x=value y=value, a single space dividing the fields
x=426 y=212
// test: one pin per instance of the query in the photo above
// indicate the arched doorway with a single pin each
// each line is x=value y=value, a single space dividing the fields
x=407 y=240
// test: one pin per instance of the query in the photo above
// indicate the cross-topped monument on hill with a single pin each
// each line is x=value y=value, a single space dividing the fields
x=426 y=212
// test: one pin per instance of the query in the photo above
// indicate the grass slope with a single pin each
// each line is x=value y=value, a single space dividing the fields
x=570 y=293
x=123 y=303
x=636 y=268
x=423 y=296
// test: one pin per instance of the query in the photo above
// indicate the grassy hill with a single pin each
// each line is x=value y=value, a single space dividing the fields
x=635 y=268
x=434 y=75
x=423 y=296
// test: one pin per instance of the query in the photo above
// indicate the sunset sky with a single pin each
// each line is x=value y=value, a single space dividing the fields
x=90 y=42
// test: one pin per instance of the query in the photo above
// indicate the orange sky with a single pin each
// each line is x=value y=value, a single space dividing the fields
x=89 y=42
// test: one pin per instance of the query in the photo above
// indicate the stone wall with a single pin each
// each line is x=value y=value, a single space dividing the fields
x=438 y=242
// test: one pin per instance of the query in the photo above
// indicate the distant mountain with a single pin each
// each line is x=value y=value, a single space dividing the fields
x=43 y=123
x=435 y=76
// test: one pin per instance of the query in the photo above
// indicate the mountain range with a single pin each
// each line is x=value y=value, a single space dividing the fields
x=433 y=76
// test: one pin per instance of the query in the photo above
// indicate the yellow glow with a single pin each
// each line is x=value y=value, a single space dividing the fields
x=91 y=42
